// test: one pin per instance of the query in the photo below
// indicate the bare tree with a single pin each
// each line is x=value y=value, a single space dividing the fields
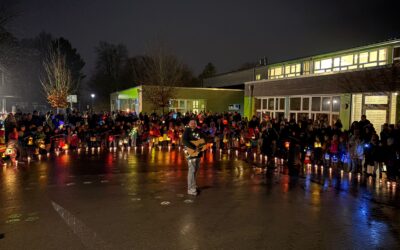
x=57 y=81
x=161 y=74
x=7 y=14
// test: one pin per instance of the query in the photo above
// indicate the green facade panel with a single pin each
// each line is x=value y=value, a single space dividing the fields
x=345 y=110
x=217 y=100
x=248 y=106
x=132 y=93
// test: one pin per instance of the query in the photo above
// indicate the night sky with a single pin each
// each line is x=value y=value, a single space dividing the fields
x=227 y=33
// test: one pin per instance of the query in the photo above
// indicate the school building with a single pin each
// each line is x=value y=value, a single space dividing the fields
x=343 y=84
x=185 y=99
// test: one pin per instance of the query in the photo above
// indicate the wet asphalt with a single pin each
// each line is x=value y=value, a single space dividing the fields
x=137 y=200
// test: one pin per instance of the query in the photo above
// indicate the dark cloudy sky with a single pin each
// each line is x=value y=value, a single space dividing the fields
x=227 y=33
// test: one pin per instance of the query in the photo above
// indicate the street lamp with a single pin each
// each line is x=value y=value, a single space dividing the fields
x=93 y=96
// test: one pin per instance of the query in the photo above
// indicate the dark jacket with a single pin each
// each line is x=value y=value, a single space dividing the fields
x=191 y=135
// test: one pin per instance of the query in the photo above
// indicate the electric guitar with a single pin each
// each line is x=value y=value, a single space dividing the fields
x=201 y=146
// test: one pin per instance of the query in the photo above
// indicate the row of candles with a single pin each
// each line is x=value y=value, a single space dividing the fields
x=256 y=158
x=350 y=175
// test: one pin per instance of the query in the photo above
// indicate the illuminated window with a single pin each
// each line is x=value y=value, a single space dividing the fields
x=292 y=70
x=287 y=69
x=326 y=63
x=373 y=56
x=346 y=60
x=317 y=65
x=306 y=68
x=382 y=55
x=336 y=62
x=258 y=77
x=364 y=57
x=276 y=72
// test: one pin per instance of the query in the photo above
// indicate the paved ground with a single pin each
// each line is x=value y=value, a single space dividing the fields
x=137 y=200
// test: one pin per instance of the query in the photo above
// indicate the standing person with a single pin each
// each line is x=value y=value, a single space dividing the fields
x=356 y=151
x=9 y=124
x=270 y=138
x=192 y=133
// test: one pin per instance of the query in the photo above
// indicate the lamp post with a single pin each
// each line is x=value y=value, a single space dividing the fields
x=92 y=96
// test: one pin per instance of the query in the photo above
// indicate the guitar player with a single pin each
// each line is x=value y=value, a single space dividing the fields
x=192 y=133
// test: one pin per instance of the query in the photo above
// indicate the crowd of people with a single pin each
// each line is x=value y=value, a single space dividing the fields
x=359 y=149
